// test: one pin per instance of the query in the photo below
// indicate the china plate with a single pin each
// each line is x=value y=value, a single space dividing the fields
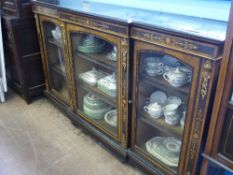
x=159 y=97
x=111 y=117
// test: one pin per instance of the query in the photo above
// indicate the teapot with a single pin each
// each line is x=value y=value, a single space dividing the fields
x=176 y=77
x=154 y=110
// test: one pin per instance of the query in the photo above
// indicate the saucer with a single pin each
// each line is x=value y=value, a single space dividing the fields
x=159 y=97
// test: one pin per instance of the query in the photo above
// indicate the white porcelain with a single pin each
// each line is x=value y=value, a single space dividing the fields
x=172 y=119
x=170 y=109
x=158 y=96
x=168 y=68
x=154 y=71
x=111 y=117
x=170 y=61
x=186 y=70
x=91 y=77
x=174 y=100
x=112 y=55
x=56 y=33
x=182 y=120
x=165 y=149
x=94 y=107
x=153 y=62
x=154 y=110
x=176 y=78
x=108 y=85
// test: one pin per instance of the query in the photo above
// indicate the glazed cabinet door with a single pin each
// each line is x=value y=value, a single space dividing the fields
x=55 y=58
x=164 y=88
x=98 y=77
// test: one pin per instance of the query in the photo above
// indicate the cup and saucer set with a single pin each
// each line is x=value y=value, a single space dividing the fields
x=158 y=105
x=175 y=73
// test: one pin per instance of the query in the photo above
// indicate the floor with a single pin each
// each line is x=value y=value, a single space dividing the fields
x=37 y=139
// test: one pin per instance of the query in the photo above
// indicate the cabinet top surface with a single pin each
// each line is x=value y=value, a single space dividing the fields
x=201 y=20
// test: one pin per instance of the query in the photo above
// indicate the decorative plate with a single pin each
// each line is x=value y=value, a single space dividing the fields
x=111 y=117
x=166 y=149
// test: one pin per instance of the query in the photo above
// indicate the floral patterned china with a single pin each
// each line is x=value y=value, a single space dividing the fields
x=176 y=78
x=108 y=85
x=91 y=77
x=158 y=96
x=111 y=117
x=174 y=100
x=165 y=149
x=94 y=107
x=90 y=44
x=154 y=110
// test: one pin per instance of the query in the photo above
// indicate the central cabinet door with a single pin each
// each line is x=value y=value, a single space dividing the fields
x=162 y=105
x=97 y=75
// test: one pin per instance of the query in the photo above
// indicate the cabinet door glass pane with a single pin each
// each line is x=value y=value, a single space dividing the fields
x=55 y=59
x=163 y=85
x=95 y=64
x=226 y=143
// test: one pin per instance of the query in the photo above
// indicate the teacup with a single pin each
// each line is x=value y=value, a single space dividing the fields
x=153 y=62
x=170 y=109
x=172 y=119
x=154 y=71
x=154 y=110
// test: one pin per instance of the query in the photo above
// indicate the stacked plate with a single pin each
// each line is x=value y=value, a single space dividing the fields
x=90 y=44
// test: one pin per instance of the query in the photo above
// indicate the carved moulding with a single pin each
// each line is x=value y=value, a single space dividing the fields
x=200 y=116
x=124 y=100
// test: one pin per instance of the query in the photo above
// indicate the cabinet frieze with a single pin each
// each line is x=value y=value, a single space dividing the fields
x=96 y=24
x=169 y=41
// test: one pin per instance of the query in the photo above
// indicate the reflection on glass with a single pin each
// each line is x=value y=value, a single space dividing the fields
x=162 y=94
x=214 y=169
x=55 y=55
x=226 y=143
x=95 y=62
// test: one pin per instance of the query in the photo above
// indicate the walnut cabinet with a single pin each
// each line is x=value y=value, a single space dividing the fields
x=145 y=92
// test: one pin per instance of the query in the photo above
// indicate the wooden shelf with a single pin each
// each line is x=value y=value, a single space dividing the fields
x=100 y=123
x=99 y=59
x=108 y=99
x=175 y=131
x=162 y=84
